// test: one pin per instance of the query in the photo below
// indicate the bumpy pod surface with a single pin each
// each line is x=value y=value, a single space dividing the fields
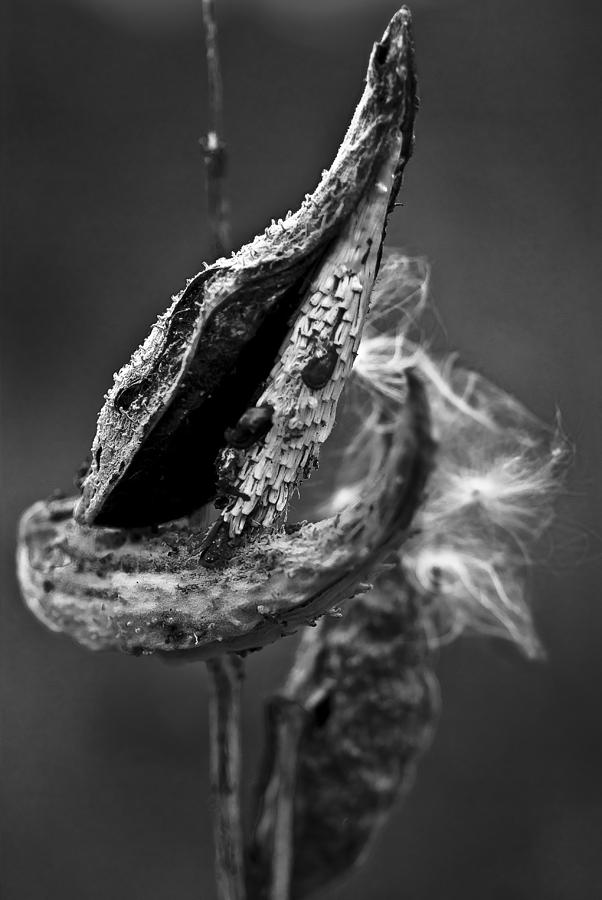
x=146 y=591
x=228 y=400
x=359 y=708
x=250 y=331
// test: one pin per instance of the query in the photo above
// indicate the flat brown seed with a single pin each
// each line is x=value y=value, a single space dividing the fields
x=318 y=370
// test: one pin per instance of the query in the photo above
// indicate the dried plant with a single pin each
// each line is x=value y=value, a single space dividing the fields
x=178 y=543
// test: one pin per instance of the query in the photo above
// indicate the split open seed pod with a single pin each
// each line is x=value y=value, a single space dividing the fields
x=226 y=405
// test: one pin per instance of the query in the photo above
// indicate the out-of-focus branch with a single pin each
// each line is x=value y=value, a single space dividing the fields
x=272 y=852
x=226 y=674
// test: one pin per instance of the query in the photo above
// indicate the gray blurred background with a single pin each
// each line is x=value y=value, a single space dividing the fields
x=104 y=758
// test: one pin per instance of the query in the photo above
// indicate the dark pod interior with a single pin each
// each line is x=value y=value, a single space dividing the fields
x=173 y=471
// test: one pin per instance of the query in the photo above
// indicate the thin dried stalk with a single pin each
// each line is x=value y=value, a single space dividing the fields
x=226 y=672
x=225 y=765
x=274 y=834
x=214 y=148
x=282 y=848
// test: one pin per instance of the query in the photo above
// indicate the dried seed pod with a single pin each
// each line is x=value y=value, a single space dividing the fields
x=146 y=591
x=238 y=337
x=333 y=312
x=357 y=711
x=242 y=330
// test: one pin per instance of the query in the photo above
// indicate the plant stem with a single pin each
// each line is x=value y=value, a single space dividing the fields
x=289 y=722
x=226 y=673
x=270 y=853
x=214 y=149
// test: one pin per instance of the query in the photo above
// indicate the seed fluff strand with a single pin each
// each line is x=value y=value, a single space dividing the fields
x=497 y=473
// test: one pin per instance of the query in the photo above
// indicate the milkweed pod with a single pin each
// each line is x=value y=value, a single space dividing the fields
x=217 y=349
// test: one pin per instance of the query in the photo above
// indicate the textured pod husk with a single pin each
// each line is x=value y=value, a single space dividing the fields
x=357 y=711
x=250 y=332
x=147 y=591
x=232 y=394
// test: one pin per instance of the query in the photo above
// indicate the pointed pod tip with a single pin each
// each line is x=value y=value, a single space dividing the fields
x=398 y=28
x=393 y=56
